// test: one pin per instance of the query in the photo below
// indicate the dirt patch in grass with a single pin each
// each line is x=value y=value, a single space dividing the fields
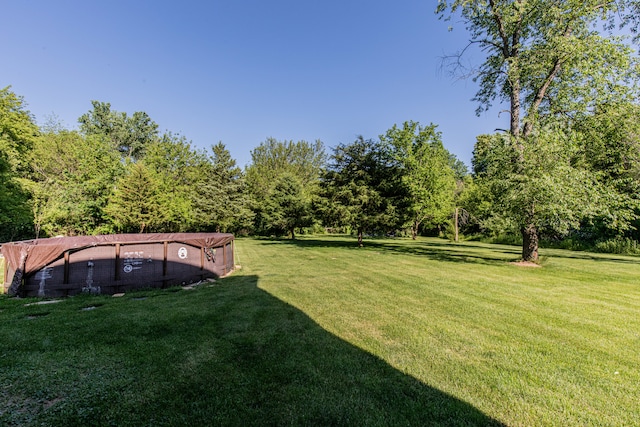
x=526 y=264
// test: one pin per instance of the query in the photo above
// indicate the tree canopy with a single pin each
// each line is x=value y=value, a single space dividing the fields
x=221 y=199
x=548 y=61
x=129 y=134
x=73 y=177
x=301 y=162
x=427 y=177
x=361 y=187
x=18 y=133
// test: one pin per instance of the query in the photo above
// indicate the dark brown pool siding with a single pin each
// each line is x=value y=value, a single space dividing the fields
x=115 y=263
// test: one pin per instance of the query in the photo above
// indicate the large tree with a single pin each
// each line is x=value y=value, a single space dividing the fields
x=544 y=59
x=273 y=158
x=287 y=206
x=426 y=174
x=270 y=161
x=134 y=206
x=129 y=134
x=177 y=170
x=18 y=132
x=221 y=201
x=73 y=177
x=362 y=188
x=546 y=190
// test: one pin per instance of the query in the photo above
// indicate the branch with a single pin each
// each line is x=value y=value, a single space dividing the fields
x=515 y=38
x=487 y=43
x=542 y=91
x=457 y=65
x=503 y=35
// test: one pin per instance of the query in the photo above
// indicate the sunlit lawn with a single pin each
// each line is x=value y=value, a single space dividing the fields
x=320 y=332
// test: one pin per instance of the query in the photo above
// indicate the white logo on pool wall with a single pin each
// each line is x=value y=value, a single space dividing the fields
x=182 y=253
x=132 y=261
x=42 y=276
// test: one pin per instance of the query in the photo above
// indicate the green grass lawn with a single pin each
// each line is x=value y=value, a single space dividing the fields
x=320 y=332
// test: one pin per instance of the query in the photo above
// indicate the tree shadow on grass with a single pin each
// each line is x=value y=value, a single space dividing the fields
x=591 y=256
x=232 y=354
x=275 y=366
x=440 y=251
x=466 y=252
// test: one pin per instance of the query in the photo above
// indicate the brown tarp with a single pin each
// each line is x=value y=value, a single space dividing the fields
x=26 y=257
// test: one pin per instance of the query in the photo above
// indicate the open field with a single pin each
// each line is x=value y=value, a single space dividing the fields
x=320 y=332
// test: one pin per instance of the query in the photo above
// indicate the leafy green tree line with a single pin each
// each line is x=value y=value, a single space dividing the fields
x=118 y=174
x=115 y=174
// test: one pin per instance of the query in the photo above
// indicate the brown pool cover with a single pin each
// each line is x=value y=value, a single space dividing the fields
x=114 y=263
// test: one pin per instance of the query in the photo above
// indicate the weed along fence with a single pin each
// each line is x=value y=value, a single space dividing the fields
x=115 y=263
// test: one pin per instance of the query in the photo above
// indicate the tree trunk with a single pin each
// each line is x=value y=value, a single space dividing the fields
x=514 y=123
x=414 y=230
x=293 y=233
x=530 y=243
x=455 y=225
x=360 y=244
x=18 y=274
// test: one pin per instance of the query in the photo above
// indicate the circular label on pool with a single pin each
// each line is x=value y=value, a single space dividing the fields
x=128 y=268
x=182 y=252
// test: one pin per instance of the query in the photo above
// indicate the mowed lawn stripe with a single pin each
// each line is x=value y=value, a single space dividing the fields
x=320 y=332
x=559 y=343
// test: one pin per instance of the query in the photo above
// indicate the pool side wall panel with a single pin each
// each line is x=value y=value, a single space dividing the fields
x=125 y=267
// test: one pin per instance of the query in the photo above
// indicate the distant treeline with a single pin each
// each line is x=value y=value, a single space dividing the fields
x=118 y=174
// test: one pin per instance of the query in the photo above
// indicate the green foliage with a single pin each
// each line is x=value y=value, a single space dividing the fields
x=362 y=189
x=73 y=177
x=549 y=62
x=629 y=17
x=176 y=170
x=543 y=188
x=602 y=144
x=273 y=159
x=134 y=206
x=18 y=130
x=16 y=218
x=426 y=173
x=460 y=170
x=130 y=135
x=544 y=58
x=609 y=138
x=17 y=135
x=618 y=246
x=221 y=200
x=287 y=207
x=479 y=213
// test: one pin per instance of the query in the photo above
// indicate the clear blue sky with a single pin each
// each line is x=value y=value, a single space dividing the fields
x=239 y=71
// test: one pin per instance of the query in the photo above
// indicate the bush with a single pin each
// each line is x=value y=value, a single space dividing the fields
x=569 y=243
x=618 y=246
x=505 y=239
